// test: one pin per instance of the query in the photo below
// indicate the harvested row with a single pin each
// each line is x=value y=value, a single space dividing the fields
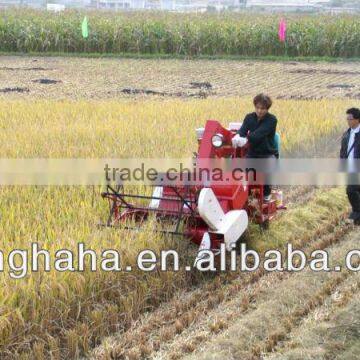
x=158 y=329
x=113 y=78
x=331 y=331
x=280 y=309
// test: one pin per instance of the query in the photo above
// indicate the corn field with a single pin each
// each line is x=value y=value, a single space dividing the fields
x=178 y=34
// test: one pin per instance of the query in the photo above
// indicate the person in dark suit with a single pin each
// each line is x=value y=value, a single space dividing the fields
x=259 y=128
x=350 y=149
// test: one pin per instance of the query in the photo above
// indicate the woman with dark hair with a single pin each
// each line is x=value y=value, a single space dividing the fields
x=259 y=129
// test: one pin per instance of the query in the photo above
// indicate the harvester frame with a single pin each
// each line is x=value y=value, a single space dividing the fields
x=210 y=214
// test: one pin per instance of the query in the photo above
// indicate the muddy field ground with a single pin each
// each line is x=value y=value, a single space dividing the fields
x=101 y=78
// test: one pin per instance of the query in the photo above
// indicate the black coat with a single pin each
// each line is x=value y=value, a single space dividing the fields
x=261 y=135
x=345 y=142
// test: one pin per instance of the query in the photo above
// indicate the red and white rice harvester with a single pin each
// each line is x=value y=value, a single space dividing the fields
x=211 y=214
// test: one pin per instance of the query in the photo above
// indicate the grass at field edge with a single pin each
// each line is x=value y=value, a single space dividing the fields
x=182 y=57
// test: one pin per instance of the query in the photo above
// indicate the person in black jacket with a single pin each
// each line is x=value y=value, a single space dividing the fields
x=350 y=149
x=259 y=128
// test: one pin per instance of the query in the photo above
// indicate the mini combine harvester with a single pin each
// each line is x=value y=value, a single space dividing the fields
x=207 y=215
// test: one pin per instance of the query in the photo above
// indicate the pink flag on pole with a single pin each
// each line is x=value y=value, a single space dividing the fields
x=282 y=30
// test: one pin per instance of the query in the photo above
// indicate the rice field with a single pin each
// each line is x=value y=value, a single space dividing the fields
x=68 y=314
x=137 y=315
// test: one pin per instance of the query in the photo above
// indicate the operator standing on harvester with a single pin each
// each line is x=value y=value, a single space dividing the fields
x=259 y=129
x=211 y=214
